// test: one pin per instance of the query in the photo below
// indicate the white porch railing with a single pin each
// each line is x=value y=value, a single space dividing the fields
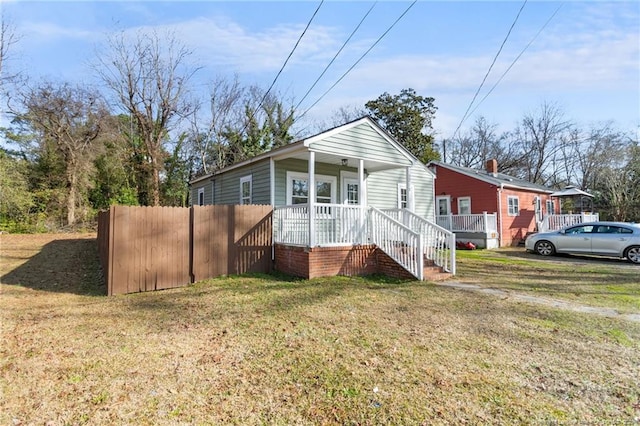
x=398 y=241
x=554 y=222
x=404 y=236
x=335 y=224
x=485 y=222
x=291 y=225
x=438 y=241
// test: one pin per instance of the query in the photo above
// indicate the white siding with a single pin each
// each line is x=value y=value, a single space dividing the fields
x=363 y=142
x=382 y=190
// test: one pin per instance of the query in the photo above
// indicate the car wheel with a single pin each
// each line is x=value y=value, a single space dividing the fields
x=544 y=248
x=633 y=254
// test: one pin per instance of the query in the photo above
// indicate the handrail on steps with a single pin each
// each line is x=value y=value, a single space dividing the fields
x=439 y=244
x=398 y=241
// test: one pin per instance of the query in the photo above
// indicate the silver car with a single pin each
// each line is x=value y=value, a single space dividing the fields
x=618 y=239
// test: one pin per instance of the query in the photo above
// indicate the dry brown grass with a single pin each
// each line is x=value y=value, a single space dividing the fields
x=267 y=350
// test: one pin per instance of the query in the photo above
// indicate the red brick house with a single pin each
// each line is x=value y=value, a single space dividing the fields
x=519 y=205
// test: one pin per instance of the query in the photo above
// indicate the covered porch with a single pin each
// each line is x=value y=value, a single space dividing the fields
x=480 y=229
x=354 y=204
x=362 y=239
x=554 y=222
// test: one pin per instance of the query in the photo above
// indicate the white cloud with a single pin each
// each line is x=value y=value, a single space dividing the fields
x=43 y=32
x=222 y=42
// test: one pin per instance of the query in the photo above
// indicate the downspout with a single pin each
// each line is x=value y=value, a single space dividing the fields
x=433 y=196
x=500 y=214
x=272 y=200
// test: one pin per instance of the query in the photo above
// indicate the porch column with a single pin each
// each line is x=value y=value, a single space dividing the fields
x=410 y=200
x=361 y=202
x=361 y=182
x=312 y=198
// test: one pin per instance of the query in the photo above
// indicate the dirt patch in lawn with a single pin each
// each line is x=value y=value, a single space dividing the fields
x=554 y=303
x=272 y=350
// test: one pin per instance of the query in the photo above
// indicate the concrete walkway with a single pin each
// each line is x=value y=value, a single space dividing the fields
x=605 y=312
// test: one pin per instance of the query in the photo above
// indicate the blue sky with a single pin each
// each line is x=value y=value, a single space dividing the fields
x=587 y=59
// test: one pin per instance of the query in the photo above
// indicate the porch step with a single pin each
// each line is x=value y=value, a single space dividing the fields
x=434 y=273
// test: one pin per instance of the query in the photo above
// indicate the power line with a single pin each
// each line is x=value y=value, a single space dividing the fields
x=281 y=69
x=517 y=57
x=358 y=61
x=290 y=54
x=495 y=58
x=336 y=55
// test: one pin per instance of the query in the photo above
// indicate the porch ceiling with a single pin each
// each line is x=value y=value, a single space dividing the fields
x=369 y=165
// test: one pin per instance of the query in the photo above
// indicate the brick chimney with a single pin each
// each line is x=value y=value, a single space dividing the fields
x=492 y=166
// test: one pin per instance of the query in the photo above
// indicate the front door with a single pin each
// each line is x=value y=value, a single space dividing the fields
x=444 y=205
x=351 y=221
x=351 y=191
x=537 y=206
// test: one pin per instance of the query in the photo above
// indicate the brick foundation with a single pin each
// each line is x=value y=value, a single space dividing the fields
x=389 y=267
x=314 y=262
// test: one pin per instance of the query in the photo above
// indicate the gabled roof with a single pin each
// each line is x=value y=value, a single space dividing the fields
x=401 y=156
x=497 y=179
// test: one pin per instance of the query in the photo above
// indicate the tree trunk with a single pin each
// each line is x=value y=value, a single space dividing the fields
x=71 y=199
x=155 y=181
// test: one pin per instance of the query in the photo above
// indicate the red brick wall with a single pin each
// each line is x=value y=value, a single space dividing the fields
x=326 y=261
x=292 y=260
x=390 y=268
x=331 y=261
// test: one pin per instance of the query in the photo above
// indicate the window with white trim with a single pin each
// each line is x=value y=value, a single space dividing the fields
x=246 y=188
x=201 y=196
x=513 y=204
x=464 y=205
x=298 y=188
x=402 y=196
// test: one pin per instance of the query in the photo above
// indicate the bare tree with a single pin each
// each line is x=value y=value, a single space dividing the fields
x=618 y=187
x=8 y=38
x=69 y=120
x=241 y=122
x=540 y=137
x=148 y=75
x=207 y=126
x=479 y=144
x=586 y=155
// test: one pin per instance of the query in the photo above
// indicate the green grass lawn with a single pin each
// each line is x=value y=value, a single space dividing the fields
x=272 y=350
x=591 y=281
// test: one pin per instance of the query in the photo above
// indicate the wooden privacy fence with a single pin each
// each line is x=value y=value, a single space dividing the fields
x=155 y=248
